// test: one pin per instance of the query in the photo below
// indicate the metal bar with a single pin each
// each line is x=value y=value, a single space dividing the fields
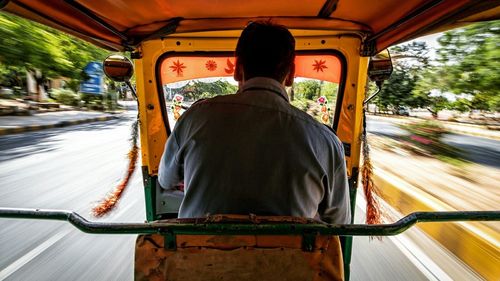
x=346 y=241
x=149 y=194
x=96 y=19
x=308 y=241
x=328 y=8
x=465 y=11
x=379 y=88
x=250 y=229
x=415 y=13
x=167 y=29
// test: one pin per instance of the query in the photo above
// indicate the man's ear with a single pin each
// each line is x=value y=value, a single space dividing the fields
x=238 y=71
x=291 y=75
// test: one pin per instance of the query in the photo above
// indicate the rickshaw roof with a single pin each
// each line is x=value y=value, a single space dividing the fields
x=122 y=24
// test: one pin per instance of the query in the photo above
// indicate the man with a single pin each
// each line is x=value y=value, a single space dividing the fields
x=253 y=152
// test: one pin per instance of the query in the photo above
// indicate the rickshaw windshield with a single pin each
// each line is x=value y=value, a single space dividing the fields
x=186 y=78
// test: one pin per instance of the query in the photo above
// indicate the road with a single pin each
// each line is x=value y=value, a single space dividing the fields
x=479 y=150
x=72 y=168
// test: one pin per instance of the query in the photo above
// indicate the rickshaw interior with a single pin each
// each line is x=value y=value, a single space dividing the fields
x=177 y=44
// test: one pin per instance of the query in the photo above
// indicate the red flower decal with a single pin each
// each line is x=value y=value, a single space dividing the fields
x=322 y=99
x=178 y=98
x=230 y=67
x=211 y=65
x=178 y=67
x=319 y=65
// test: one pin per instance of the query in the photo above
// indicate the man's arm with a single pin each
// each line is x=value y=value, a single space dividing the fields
x=336 y=205
x=171 y=171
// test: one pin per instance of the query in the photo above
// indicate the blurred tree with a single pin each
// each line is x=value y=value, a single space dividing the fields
x=202 y=90
x=330 y=90
x=462 y=105
x=408 y=62
x=307 y=89
x=428 y=92
x=396 y=92
x=470 y=63
x=25 y=45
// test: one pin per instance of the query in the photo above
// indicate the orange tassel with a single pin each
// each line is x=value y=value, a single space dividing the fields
x=373 y=214
x=111 y=199
x=370 y=190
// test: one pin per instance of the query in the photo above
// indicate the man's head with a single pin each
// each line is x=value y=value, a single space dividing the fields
x=265 y=50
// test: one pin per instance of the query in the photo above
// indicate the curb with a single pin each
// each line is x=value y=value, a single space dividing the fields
x=31 y=128
x=475 y=244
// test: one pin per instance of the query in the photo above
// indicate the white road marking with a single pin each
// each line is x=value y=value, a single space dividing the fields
x=425 y=264
x=417 y=257
x=13 y=267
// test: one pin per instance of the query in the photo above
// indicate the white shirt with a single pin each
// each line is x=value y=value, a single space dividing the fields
x=253 y=152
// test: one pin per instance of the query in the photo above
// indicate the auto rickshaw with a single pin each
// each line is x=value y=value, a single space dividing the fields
x=338 y=41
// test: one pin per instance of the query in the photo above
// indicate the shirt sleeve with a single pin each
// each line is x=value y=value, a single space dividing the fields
x=336 y=205
x=171 y=171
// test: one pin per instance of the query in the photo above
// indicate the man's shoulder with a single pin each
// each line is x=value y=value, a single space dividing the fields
x=312 y=123
x=316 y=128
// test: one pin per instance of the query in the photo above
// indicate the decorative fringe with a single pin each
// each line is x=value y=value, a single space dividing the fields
x=373 y=211
x=112 y=198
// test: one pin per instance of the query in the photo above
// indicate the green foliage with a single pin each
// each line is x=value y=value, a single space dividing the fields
x=462 y=105
x=91 y=101
x=301 y=104
x=329 y=90
x=470 y=63
x=397 y=90
x=66 y=96
x=12 y=77
x=308 y=89
x=73 y=84
x=25 y=45
x=312 y=89
x=408 y=60
x=202 y=90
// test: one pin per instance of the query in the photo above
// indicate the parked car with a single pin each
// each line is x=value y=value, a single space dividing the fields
x=402 y=111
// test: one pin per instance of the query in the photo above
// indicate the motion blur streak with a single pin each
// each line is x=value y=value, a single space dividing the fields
x=73 y=167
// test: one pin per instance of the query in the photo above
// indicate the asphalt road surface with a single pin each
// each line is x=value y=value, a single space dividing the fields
x=476 y=149
x=72 y=168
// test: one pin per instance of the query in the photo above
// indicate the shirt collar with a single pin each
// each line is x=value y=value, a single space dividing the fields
x=265 y=83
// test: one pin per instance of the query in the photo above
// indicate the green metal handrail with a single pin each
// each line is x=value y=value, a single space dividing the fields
x=247 y=228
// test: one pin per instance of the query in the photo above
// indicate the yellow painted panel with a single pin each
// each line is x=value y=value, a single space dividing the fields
x=154 y=131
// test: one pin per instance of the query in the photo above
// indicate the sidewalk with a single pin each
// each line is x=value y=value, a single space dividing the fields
x=40 y=121
x=453 y=127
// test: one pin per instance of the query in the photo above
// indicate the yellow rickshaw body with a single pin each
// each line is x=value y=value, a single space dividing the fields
x=153 y=127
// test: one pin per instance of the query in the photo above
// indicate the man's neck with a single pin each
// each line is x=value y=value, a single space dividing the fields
x=242 y=83
x=265 y=83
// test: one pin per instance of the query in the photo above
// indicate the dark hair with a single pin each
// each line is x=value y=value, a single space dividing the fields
x=266 y=50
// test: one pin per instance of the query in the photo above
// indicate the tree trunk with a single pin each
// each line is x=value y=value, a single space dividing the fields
x=320 y=86
x=433 y=113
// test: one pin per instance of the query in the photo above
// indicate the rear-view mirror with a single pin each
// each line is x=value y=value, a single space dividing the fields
x=380 y=66
x=118 y=68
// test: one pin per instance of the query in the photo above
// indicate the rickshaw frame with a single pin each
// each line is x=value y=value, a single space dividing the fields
x=356 y=40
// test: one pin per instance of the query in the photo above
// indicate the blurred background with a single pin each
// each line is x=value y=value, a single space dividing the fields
x=433 y=132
